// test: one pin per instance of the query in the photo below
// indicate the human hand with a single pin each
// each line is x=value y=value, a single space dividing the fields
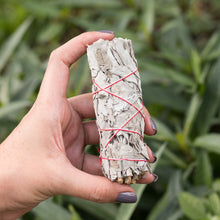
x=44 y=155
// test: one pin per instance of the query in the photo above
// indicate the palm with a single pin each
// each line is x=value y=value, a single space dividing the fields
x=73 y=135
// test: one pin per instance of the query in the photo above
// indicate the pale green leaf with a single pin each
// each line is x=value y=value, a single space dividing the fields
x=13 y=108
x=193 y=207
x=196 y=65
x=214 y=203
x=203 y=172
x=209 y=142
x=49 y=210
x=216 y=185
x=49 y=32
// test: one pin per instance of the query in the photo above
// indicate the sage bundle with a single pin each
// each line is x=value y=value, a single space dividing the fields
x=118 y=104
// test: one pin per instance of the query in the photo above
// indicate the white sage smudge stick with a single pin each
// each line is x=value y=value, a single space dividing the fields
x=118 y=104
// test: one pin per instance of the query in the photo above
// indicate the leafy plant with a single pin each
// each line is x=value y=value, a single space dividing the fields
x=177 y=46
x=206 y=207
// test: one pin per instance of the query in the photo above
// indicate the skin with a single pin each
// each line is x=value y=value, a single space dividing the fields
x=44 y=155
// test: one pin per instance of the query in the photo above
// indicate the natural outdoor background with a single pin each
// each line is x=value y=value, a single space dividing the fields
x=177 y=46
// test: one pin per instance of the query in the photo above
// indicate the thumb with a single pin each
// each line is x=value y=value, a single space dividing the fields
x=56 y=78
x=94 y=188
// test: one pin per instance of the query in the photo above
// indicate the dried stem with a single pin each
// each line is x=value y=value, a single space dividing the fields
x=118 y=106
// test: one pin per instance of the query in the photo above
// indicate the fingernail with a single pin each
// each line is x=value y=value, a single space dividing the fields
x=127 y=197
x=155 y=177
x=155 y=157
x=153 y=125
x=107 y=32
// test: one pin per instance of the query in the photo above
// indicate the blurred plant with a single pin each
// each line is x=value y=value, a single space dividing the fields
x=177 y=46
x=207 y=207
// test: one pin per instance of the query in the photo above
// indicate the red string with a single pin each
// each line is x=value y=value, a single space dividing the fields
x=121 y=128
x=142 y=160
x=117 y=81
x=99 y=156
x=104 y=89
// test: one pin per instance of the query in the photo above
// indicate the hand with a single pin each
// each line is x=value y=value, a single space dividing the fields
x=44 y=155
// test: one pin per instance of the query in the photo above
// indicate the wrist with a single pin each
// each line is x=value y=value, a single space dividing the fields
x=10 y=208
x=5 y=212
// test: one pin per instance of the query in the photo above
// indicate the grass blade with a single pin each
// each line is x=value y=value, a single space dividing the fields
x=126 y=210
x=166 y=208
x=87 y=3
x=191 y=114
x=212 y=43
x=158 y=207
x=148 y=17
x=9 y=46
x=210 y=100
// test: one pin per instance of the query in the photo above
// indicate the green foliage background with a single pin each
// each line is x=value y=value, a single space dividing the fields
x=177 y=45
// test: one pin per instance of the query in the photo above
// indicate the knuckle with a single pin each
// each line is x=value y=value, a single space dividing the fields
x=99 y=194
x=55 y=54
